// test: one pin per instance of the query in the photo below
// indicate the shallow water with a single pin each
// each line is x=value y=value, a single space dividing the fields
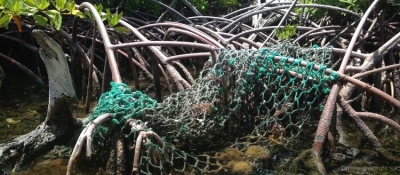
x=23 y=106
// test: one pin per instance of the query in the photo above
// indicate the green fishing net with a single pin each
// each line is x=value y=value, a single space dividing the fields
x=123 y=104
x=273 y=91
x=248 y=89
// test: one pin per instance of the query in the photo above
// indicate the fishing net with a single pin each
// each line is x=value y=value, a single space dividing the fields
x=270 y=93
x=248 y=89
x=123 y=104
x=264 y=92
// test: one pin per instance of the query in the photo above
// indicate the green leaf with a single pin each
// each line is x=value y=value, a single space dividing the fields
x=105 y=16
x=58 y=21
x=28 y=11
x=88 y=14
x=60 y=4
x=279 y=34
x=78 y=13
x=9 y=3
x=42 y=4
x=70 y=5
x=5 y=20
x=114 y=19
x=286 y=32
x=99 y=8
x=355 y=8
x=41 y=20
x=17 y=6
x=30 y=3
x=52 y=22
x=122 y=29
x=120 y=16
x=51 y=13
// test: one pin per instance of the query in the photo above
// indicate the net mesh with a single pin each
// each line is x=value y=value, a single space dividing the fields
x=250 y=89
x=123 y=104
x=266 y=93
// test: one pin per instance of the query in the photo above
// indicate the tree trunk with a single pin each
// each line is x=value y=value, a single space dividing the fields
x=59 y=125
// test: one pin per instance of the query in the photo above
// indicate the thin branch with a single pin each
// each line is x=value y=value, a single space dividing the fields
x=90 y=75
x=24 y=69
x=373 y=71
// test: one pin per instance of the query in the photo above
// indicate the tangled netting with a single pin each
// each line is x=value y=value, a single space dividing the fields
x=122 y=103
x=265 y=92
x=250 y=89
x=261 y=92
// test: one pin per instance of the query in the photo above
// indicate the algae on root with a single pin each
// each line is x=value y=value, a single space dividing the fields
x=257 y=152
x=230 y=154
x=242 y=167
